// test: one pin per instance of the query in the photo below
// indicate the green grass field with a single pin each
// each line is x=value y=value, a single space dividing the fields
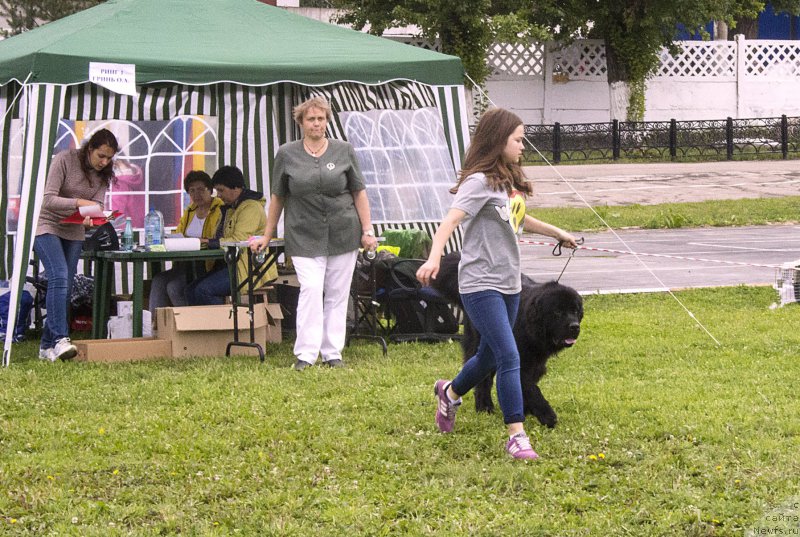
x=743 y=212
x=661 y=432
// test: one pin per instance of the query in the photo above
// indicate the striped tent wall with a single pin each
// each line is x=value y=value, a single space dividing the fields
x=252 y=123
x=88 y=102
x=9 y=110
x=244 y=124
x=246 y=133
x=452 y=105
x=244 y=116
x=43 y=108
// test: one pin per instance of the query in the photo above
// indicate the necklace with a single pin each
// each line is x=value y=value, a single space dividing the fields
x=314 y=152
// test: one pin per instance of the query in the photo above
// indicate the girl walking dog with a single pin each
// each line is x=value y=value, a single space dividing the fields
x=490 y=201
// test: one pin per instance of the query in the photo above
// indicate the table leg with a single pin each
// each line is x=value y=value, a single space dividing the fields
x=97 y=298
x=138 y=286
x=105 y=278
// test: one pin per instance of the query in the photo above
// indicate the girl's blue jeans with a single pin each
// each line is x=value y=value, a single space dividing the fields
x=493 y=314
x=60 y=260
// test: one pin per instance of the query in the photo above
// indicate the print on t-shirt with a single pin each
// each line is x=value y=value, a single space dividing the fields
x=514 y=211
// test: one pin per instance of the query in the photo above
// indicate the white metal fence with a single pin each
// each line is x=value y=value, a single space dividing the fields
x=545 y=83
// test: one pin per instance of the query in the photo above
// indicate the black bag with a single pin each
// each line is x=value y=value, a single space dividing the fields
x=363 y=271
x=104 y=238
x=416 y=309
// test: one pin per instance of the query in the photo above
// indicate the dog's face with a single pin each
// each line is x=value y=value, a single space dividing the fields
x=558 y=311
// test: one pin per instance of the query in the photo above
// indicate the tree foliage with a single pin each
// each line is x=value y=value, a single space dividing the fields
x=634 y=31
x=747 y=24
x=28 y=14
x=464 y=28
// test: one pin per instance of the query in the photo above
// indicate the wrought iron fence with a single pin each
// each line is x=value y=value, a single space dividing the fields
x=726 y=139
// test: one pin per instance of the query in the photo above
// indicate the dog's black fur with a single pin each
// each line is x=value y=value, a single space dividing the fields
x=548 y=321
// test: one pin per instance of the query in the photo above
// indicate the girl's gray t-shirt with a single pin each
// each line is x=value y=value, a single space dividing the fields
x=490 y=252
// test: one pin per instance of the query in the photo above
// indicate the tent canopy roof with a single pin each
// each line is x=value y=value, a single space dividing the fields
x=203 y=42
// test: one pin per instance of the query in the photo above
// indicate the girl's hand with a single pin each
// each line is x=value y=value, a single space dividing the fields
x=427 y=272
x=567 y=240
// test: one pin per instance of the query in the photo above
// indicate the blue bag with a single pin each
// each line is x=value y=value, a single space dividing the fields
x=23 y=315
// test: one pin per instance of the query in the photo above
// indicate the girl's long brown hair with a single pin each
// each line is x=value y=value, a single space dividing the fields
x=485 y=153
x=99 y=139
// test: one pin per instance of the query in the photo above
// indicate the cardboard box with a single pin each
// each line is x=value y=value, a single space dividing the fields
x=274 y=320
x=207 y=330
x=122 y=350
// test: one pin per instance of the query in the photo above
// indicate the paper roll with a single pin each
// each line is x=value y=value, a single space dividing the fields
x=185 y=244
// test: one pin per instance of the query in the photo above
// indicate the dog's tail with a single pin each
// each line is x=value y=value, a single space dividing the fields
x=446 y=282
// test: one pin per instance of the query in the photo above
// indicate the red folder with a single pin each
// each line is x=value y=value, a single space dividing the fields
x=76 y=218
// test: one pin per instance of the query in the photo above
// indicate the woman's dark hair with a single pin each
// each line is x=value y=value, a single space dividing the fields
x=485 y=153
x=229 y=176
x=197 y=176
x=99 y=139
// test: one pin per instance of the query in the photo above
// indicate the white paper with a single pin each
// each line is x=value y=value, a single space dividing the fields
x=125 y=307
x=121 y=326
x=185 y=244
x=116 y=77
x=95 y=211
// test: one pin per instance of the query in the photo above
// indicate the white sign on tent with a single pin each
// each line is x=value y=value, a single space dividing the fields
x=117 y=77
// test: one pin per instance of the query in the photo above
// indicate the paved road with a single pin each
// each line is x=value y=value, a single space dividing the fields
x=668 y=259
x=681 y=258
x=646 y=184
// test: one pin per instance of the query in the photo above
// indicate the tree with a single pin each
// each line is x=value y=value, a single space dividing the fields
x=464 y=28
x=634 y=31
x=747 y=23
x=28 y=14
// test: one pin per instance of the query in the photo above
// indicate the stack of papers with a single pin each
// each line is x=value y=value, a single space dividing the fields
x=98 y=216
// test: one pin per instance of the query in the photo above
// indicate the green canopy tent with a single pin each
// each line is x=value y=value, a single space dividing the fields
x=244 y=62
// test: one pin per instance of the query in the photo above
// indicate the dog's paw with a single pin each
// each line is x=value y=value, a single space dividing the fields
x=482 y=406
x=548 y=419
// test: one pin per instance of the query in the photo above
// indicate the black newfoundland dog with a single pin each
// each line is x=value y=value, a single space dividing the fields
x=549 y=320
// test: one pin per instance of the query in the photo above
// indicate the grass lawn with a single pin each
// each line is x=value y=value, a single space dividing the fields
x=661 y=432
x=743 y=212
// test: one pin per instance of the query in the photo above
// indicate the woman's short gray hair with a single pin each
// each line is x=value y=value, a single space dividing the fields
x=299 y=111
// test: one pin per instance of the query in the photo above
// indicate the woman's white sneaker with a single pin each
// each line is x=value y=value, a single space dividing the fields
x=64 y=349
x=47 y=355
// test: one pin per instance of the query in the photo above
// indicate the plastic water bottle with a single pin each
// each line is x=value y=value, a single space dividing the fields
x=127 y=235
x=153 y=228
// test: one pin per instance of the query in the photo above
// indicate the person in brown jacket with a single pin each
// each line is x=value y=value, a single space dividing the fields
x=77 y=178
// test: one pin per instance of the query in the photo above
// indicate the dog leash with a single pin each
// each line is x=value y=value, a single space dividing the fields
x=557 y=252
